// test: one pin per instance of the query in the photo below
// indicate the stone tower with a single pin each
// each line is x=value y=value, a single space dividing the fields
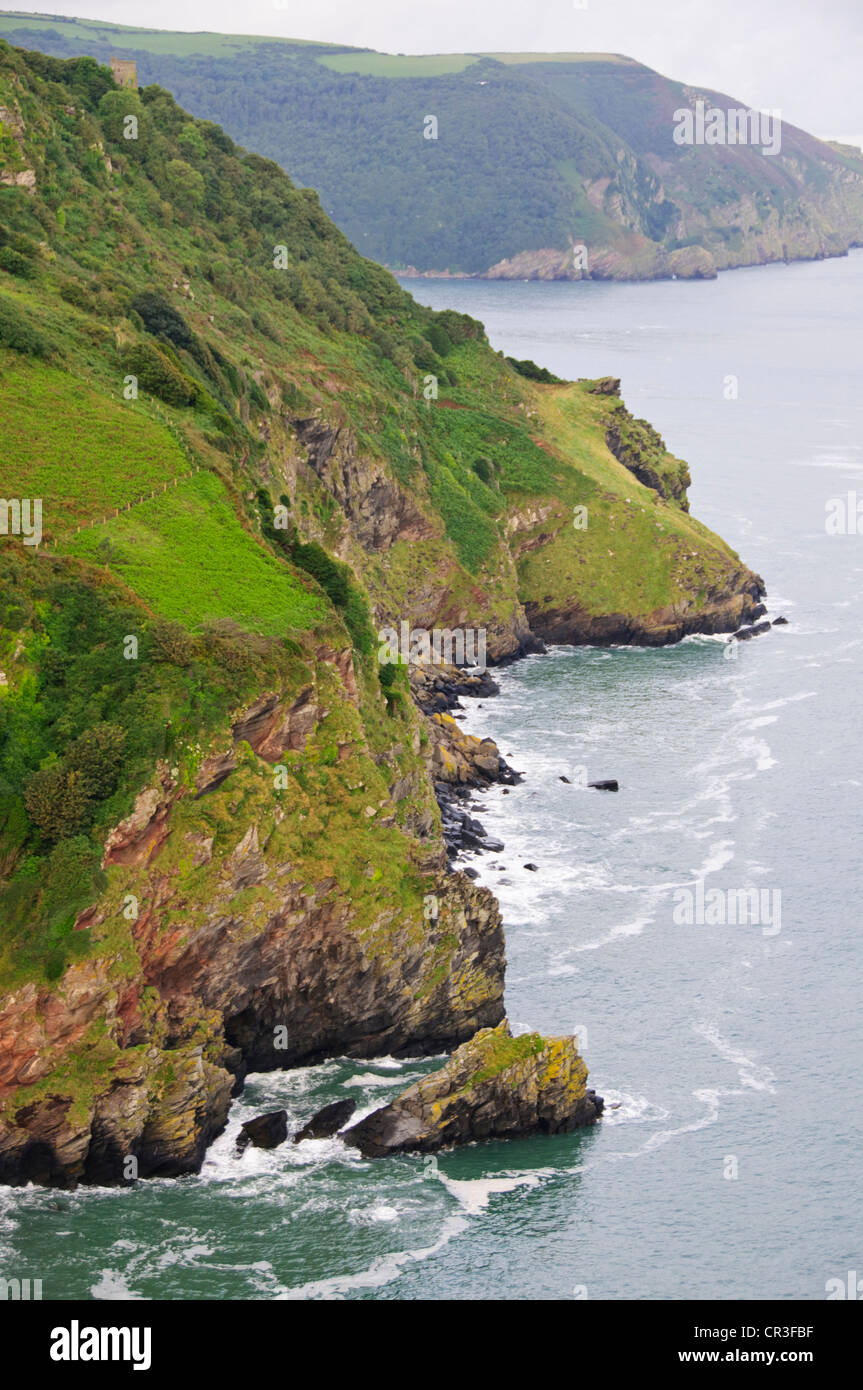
x=125 y=73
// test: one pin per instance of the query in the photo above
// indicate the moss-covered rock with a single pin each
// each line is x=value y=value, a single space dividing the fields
x=495 y=1086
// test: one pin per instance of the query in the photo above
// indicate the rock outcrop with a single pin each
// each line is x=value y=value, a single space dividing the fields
x=264 y=1131
x=722 y=609
x=327 y=1121
x=495 y=1086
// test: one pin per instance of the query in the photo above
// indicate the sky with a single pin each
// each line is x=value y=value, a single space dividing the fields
x=795 y=57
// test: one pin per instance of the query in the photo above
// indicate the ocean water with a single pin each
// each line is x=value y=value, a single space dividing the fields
x=730 y=1049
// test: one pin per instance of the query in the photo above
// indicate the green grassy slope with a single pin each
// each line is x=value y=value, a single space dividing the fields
x=275 y=367
x=534 y=153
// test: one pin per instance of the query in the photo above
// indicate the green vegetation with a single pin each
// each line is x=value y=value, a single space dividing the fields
x=534 y=151
x=398 y=65
x=525 y=367
x=497 y=1051
x=17 y=333
x=171 y=363
x=187 y=555
x=80 y=450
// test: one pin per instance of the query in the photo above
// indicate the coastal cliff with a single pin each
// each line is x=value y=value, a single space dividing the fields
x=221 y=848
x=547 y=166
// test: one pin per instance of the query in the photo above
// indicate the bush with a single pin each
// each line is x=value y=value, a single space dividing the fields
x=114 y=107
x=529 y=369
x=172 y=644
x=161 y=319
x=158 y=376
x=78 y=296
x=439 y=338
x=62 y=800
x=16 y=264
x=235 y=650
x=57 y=802
x=459 y=328
x=98 y=756
x=17 y=333
x=184 y=185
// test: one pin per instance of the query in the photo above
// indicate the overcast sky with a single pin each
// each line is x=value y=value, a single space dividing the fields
x=799 y=57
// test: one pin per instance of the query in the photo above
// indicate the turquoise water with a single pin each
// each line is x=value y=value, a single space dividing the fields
x=728 y=1169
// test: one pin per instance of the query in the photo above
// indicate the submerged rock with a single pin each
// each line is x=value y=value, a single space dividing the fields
x=495 y=1086
x=264 y=1131
x=610 y=785
x=327 y=1121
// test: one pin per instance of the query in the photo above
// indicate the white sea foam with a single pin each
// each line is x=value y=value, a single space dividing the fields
x=474 y=1194
x=384 y=1270
x=112 y=1285
x=754 y=1075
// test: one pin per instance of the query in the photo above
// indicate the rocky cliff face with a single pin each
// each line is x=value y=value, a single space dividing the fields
x=723 y=609
x=241 y=954
x=494 y=1087
x=390 y=534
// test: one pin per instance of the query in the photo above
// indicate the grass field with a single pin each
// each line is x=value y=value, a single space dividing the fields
x=82 y=453
x=164 y=41
x=638 y=552
x=399 y=64
x=187 y=556
x=518 y=59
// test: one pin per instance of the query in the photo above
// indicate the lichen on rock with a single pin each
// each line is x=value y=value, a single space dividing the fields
x=495 y=1086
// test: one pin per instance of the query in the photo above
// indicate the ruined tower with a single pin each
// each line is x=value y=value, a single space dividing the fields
x=125 y=73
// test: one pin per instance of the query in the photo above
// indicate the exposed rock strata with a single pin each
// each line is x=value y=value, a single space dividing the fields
x=493 y=1087
x=125 y=1068
x=722 y=610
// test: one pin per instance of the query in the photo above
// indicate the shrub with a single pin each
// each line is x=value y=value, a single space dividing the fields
x=16 y=264
x=158 y=376
x=191 y=142
x=17 y=333
x=79 y=297
x=184 y=185
x=161 y=319
x=57 y=802
x=114 y=107
x=439 y=338
x=529 y=369
x=459 y=328
x=98 y=757
x=61 y=800
x=172 y=644
x=234 y=649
